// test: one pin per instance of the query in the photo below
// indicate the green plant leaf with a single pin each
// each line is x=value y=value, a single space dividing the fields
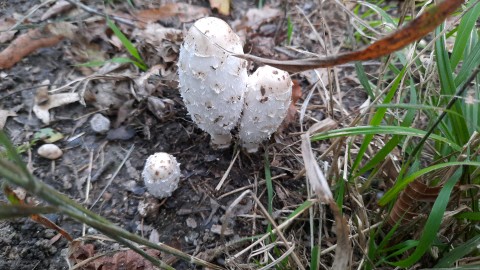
x=459 y=252
x=448 y=88
x=463 y=33
x=473 y=216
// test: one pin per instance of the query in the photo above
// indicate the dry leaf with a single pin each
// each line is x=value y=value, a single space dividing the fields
x=184 y=12
x=255 y=17
x=18 y=195
x=4 y=114
x=222 y=6
x=344 y=248
x=315 y=176
x=34 y=39
x=5 y=24
x=160 y=45
x=41 y=110
x=59 y=7
x=292 y=110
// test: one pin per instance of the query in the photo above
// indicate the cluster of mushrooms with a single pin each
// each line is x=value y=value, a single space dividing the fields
x=218 y=92
x=219 y=96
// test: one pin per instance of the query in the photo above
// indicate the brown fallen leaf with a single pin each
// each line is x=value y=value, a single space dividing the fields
x=20 y=200
x=5 y=24
x=28 y=43
x=344 y=248
x=416 y=29
x=292 y=110
x=222 y=6
x=59 y=7
x=184 y=12
x=41 y=110
x=255 y=17
x=160 y=46
x=84 y=257
x=4 y=114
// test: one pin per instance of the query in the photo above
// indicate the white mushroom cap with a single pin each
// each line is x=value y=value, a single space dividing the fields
x=161 y=174
x=212 y=82
x=266 y=103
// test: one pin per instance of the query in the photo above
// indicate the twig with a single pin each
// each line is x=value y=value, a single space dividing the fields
x=114 y=175
x=227 y=172
x=30 y=12
x=96 y=12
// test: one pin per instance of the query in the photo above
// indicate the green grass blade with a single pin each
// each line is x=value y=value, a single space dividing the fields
x=128 y=44
x=380 y=12
x=401 y=248
x=433 y=222
x=314 y=263
x=469 y=64
x=13 y=155
x=459 y=252
x=19 y=211
x=374 y=130
x=289 y=31
x=300 y=209
x=395 y=140
x=463 y=33
x=400 y=185
x=472 y=216
x=362 y=77
x=448 y=88
x=377 y=120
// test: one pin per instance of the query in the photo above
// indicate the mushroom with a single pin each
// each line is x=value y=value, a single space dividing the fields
x=161 y=174
x=266 y=103
x=212 y=82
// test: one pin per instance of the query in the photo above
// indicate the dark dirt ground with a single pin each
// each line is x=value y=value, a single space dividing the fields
x=184 y=220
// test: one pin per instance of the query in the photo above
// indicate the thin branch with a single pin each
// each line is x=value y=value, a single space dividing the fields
x=97 y=12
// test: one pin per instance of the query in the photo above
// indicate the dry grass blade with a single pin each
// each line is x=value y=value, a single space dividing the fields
x=315 y=175
x=344 y=249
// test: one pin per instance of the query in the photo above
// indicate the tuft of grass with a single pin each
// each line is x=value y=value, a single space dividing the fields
x=138 y=60
x=441 y=150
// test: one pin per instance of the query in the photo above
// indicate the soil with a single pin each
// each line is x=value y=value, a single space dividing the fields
x=188 y=219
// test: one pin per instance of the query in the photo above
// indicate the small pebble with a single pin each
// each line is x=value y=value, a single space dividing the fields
x=191 y=223
x=50 y=151
x=99 y=123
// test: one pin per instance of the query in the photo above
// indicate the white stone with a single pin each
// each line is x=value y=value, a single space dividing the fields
x=50 y=151
x=100 y=123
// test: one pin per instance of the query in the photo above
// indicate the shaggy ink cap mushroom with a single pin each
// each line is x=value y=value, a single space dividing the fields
x=266 y=103
x=161 y=174
x=212 y=82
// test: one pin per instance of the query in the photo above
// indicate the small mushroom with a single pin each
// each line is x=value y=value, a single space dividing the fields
x=50 y=151
x=266 y=103
x=161 y=174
